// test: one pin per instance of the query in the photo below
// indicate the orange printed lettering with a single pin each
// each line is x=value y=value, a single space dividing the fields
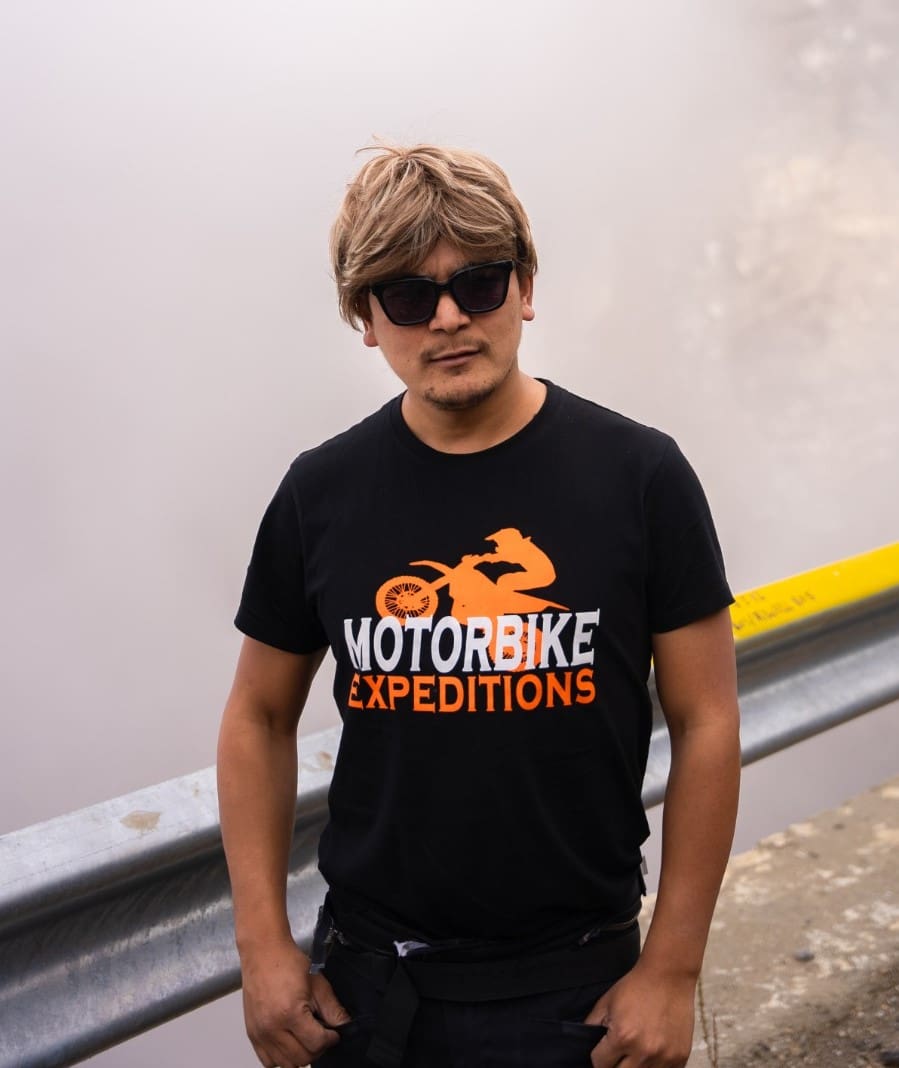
x=521 y=683
x=558 y=686
x=586 y=690
x=376 y=698
x=353 y=700
x=421 y=693
x=397 y=687
x=489 y=682
x=445 y=682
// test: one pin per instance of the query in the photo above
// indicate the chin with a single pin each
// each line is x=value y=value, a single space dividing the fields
x=465 y=391
x=460 y=398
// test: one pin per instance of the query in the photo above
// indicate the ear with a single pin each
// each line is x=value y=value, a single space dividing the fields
x=526 y=289
x=369 y=337
x=368 y=334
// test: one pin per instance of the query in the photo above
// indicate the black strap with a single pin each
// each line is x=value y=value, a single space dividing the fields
x=395 y=1016
x=490 y=980
x=406 y=980
x=520 y=977
x=365 y=926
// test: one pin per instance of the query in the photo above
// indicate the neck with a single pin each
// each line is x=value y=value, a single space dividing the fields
x=495 y=419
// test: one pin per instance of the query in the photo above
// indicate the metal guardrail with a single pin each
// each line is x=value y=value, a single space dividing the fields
x=116 y=918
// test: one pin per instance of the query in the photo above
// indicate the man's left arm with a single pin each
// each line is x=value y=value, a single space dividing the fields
x=649 y=1013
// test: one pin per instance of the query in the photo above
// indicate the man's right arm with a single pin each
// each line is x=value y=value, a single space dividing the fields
x=257 y=783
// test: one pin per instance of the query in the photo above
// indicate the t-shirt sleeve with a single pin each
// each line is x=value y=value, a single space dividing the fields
x=274 y=607
x=686 y=577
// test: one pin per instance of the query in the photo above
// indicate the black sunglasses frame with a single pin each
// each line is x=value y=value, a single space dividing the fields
x=438 y=288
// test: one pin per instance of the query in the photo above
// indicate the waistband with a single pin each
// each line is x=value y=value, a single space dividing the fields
x=367 y=928
x=492 y=980
x=404 y=978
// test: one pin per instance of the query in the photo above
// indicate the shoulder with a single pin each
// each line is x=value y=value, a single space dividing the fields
x=345 y=454
x=602 y=427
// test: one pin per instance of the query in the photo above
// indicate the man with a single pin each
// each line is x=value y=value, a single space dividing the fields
x=492 y=562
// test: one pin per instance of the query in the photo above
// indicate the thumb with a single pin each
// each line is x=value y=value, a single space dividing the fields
x=330 y=1011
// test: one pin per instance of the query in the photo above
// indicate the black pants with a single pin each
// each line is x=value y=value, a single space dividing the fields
x=537 y=1031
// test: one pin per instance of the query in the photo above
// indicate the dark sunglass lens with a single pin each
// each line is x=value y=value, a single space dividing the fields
x=410 y=301
x=482 y=289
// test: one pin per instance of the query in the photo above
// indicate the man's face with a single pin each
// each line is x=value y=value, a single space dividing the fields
x=455 y=361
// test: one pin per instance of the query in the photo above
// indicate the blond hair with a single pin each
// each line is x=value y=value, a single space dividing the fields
x=406 y=199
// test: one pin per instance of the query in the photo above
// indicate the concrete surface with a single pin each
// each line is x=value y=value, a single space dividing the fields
x=803 y=960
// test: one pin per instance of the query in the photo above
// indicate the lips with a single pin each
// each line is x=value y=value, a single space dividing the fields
x=454 y=354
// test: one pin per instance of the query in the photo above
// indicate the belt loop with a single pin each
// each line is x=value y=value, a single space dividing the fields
x=322 y=939
x=394 y=1020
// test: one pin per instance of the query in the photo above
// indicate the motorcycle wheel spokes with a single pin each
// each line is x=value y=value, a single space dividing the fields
x=405 y=597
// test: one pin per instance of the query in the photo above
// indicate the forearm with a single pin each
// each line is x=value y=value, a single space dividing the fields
x=257 y=781
x=697 y=832
x=649 y=1011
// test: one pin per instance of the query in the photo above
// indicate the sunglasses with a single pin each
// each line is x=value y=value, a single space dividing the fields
x=479 y=289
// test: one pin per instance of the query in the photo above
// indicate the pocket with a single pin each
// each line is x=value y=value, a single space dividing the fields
x=358 y=1026
x=563 y=1043
x=578 y=1029
x=353 y=989
x=349 y=1052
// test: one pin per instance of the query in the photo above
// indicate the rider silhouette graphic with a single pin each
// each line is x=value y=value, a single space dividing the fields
x=472 y=592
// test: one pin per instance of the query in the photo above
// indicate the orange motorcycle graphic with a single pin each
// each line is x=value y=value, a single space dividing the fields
x=474 y=593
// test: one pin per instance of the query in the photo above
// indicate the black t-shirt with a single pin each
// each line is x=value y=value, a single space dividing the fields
x=491 y=618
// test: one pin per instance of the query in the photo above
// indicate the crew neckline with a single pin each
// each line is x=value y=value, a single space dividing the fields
x=540 y=418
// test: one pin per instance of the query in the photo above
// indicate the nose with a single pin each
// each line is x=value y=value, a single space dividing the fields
x=448 y=316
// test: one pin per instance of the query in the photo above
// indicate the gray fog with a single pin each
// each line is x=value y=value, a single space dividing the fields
x=714 y=191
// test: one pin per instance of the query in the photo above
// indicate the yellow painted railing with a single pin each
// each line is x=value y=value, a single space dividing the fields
x=822 y=589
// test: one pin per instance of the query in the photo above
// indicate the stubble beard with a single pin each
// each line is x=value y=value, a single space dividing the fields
x=460 y=400
x=467 y=394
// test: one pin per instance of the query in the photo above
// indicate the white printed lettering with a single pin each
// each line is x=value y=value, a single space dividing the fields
x=508 y=642
x=551 y=643
x=388 y=623
x=441 y=662
x=358 y=648
x=478 y=635
x=418 y=625
x=582 y=651
x=532 y=640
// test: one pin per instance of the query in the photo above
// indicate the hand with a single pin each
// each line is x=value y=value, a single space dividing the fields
x=649 y=1016
x=288 y=1012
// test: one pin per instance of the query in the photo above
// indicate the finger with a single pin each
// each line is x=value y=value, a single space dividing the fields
x=597 y=1016
x=270 y=1056
x=286 y=1051
x=329 y=1008
x=621 y=1062
x=311 y=1038
x=606 y=1054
